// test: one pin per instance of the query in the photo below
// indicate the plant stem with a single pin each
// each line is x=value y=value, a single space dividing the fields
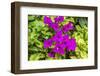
x=67 y=55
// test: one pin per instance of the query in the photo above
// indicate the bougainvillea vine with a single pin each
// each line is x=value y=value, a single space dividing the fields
x=61 y=42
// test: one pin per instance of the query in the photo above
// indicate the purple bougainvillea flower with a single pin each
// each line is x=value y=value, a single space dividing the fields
x=58 y=37
x=59 y=19
x=65 y=40
x=59 y=49
x=68 y=27
x=66 y=37
x=51 y=54
x=55 y=26
x=60 y=41
x=71 y=45
x=47 y=43
x=47 y=20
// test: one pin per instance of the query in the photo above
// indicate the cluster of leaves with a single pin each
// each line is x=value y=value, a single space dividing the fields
x=38 y=32
x=81 y=36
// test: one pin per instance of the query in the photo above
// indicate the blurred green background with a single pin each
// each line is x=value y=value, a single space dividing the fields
x=38 y=32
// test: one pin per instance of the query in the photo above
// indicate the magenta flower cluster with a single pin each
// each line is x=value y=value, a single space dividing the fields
x=60 y=41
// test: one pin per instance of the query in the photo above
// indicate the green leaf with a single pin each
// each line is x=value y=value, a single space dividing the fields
x=30 y=18
x=83 y=54
x=33 y=49
x=39 y=43
x=38 y=23
x=36 y=56
x=78 y=28
x=83 y=21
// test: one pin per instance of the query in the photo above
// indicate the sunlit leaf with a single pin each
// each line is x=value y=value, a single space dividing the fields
x=36 y=56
